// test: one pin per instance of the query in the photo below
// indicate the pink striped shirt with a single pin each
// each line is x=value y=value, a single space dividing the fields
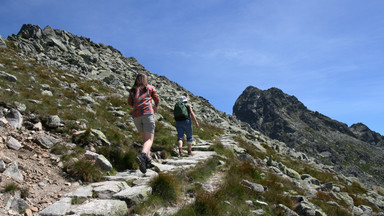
x=142 y=101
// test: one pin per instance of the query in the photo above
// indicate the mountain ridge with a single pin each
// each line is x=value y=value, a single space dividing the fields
x=285 y=118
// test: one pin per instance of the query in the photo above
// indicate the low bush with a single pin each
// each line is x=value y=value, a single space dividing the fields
x=59 y=149
x=207 y=204
x=165 y=186
x=85 y=170
x=121 y=158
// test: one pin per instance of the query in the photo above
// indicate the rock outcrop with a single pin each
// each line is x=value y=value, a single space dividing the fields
x=285 y=118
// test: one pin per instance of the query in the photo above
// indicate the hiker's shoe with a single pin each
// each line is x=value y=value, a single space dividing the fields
x=141 y=160
x=181 y=153
x=148 y=162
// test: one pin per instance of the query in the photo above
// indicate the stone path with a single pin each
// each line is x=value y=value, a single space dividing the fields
x=114 y=196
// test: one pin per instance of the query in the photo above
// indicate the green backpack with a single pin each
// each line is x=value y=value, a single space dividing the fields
x=180 y=111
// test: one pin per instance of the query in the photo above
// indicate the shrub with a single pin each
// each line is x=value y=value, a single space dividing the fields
x=59 y=149
x=355 y=188
x=120 y=158
x=165 y=186
x=249 y=171
x=206 y=204
x=85 y=170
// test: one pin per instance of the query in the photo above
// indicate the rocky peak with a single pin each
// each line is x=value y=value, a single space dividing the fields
x=285 y=118
x=261 y=108
x=364 y=133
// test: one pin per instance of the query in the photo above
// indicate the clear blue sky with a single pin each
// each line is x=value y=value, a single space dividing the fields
x=327 y=53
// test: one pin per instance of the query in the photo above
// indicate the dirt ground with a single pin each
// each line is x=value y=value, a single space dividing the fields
x=44 y=181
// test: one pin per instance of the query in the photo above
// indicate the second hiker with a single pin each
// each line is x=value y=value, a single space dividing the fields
x=183 y=113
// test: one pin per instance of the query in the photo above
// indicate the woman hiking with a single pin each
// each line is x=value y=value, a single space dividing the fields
x=140 y=98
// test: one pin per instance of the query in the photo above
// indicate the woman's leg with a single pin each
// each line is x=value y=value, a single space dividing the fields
x=148 y=140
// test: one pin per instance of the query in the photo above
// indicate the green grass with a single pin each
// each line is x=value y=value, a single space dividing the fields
x=121 y=158
x=78 y=201
x=207 y=131
x=166 y=186
x=59 y=149
x=84 y=170
x=166 y=190
x=220 y=149
x=322 y=199
x=9 y=187
x=251 y=150
x=164 y=140
x=203 y=170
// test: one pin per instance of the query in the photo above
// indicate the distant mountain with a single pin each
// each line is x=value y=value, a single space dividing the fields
x=355 y=150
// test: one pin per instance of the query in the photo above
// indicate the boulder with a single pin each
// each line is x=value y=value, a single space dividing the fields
x=134 y=195
x=14 y=118
x=14 y=172
x=2 y=165
x=104 y=163
x=81 y=192
x=253 y=186
x=100 y=135
x=306 y=208
x=20 y=106
x=54 y=121
x=13 y=143
x=101 y=207
x=58 y=208
x=8 y=76
x=15 y=204
x=106 y=190
x=45 y=140
x=2 y=43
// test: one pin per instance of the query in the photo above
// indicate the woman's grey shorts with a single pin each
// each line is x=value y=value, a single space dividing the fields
x=145 y=123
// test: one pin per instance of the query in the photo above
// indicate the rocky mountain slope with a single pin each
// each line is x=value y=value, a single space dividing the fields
x=354 y=150
x=63 y=113
x=80 y=55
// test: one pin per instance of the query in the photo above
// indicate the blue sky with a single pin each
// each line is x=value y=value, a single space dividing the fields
x=327 y=53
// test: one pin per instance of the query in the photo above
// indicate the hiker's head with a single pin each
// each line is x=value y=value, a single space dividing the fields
x=183 y=99
x=141 y=80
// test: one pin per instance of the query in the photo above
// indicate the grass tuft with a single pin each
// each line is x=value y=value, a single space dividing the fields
x=165 y=186
x=10 y=187
x=85 y=170
x=121 y=158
